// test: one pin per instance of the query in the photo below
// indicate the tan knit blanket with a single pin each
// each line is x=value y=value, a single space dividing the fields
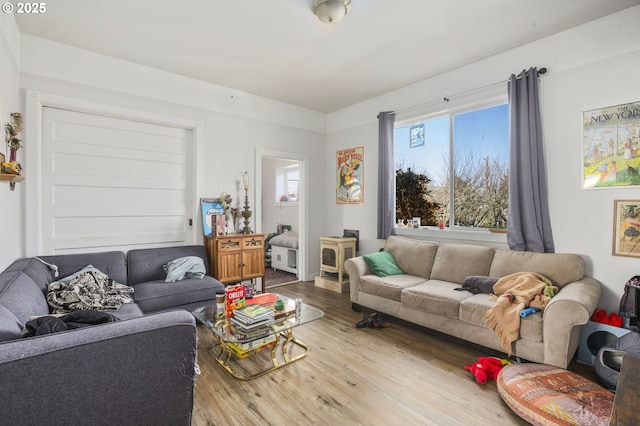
x=513 y=293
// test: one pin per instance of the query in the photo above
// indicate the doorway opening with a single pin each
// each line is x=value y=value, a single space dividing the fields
x=281 y=212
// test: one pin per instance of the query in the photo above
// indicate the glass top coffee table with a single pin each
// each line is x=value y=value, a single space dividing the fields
x=232 y=340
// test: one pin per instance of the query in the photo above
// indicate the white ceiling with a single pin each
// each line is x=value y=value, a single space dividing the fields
x=278 y=49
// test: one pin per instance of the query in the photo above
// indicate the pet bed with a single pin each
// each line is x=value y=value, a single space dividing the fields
x=284 y=252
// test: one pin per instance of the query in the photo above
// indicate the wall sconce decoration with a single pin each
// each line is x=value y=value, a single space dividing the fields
x=246 y=213
x=13 y=128
x=12 y=170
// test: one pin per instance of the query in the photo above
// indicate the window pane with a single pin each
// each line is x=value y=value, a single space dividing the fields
x=422 y=171
x=292 y=189
x=287 y=178
x=481 y=141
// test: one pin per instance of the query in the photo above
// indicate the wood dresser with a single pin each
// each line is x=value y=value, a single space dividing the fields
x=236 y=257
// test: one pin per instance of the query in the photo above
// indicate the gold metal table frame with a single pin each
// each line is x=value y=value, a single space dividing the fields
x=281 y=351
x=279 y=355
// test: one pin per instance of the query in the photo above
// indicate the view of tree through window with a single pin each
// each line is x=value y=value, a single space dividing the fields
x=454 y=167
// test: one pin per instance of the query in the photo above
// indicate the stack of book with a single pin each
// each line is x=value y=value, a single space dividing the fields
x=268 y=301
x=252 y=317
x=243 y=350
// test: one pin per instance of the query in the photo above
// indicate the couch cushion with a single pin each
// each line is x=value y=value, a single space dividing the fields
x=560 y=268
x=111 y=263
x=40 y=273
x=474 y=309
x=158 y=295
x=127 y=311
x=531 y=327
x=435 y=297
x=21 y=295
x=415 y=257
x=10 y=327
x=147 y=264
x=455 y=262
x=388 y=287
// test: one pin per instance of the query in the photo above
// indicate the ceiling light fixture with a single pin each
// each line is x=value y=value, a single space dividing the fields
x=331 y=11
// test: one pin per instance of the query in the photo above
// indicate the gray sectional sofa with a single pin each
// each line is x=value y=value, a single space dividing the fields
x=137 y=370
x=425 y=294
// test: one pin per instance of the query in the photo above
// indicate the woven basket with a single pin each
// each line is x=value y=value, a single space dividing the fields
x=609 y=359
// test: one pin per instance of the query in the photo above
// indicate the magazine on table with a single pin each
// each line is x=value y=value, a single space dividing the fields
x=244 y=326
x=253 y=313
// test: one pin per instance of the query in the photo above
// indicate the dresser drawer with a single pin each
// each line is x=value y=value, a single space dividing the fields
x=229 y=244
x=253 y=243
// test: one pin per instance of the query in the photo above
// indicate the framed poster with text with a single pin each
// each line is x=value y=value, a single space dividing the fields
x=610 y=141
x=349 y=181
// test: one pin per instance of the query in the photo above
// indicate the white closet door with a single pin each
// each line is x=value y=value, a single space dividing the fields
x=113 y=184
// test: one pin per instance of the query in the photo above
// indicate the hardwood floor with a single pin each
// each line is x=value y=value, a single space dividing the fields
x=397 y=375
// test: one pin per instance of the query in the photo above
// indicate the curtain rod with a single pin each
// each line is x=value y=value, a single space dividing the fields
x=541 y=71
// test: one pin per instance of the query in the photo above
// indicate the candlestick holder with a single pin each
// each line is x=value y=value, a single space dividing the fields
x=246 y=213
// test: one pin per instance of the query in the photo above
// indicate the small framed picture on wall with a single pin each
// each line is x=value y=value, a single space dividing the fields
x=416 y=135
x=626 y=228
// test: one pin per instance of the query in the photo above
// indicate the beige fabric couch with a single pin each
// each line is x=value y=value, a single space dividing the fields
x=425 y=295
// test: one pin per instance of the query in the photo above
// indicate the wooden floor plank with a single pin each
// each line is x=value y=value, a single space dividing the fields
x=398 y=375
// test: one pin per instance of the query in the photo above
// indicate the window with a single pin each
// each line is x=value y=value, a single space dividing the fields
x=287 y=179
x=452 y=167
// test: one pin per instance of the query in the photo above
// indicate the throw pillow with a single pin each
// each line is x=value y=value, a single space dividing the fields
x=185 y=267
x=88 y=268
x=383 y=264
x=479 y=284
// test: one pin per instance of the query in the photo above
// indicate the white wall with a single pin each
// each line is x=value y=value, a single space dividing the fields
x=234 y=124
x=591 y=66
x=11 y=202
x=275 y=213
x=582 y=220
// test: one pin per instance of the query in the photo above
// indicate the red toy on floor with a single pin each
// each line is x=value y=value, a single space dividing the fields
x=486 y=368
x=600 y=315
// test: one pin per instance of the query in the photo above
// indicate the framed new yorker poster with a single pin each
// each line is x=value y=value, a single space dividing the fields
x=350 y=173
x=626 y=228
x=610 y=141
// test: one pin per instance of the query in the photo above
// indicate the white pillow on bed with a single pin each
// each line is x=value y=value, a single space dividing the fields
x=287 y=239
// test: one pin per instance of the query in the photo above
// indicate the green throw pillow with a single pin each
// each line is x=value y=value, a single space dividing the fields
x=383 y=264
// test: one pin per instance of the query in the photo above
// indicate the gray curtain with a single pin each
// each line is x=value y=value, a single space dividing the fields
x=529 y=225
x=386 y=175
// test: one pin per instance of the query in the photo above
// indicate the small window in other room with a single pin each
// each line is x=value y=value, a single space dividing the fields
x=287 y=179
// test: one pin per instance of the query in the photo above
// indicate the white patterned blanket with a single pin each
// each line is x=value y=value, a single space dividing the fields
x=90 y=290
